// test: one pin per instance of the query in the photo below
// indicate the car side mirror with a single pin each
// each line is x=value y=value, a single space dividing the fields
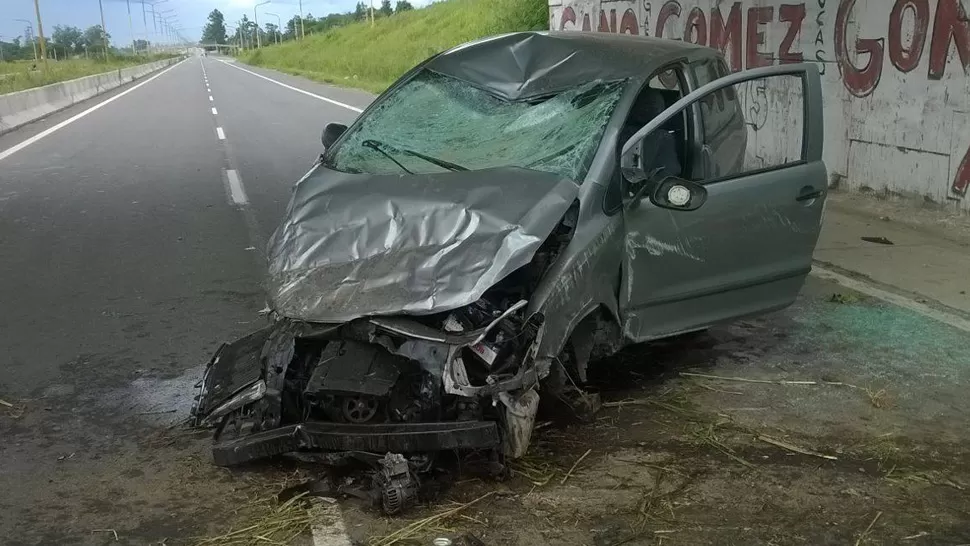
x=678 y=194
x=331 y=133
x=637 y=183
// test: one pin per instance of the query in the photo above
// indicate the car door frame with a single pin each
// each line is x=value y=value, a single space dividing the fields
x=813 y=132
x=638 y=326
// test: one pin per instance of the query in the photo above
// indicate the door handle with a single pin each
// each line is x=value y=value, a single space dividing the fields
x=808 y=193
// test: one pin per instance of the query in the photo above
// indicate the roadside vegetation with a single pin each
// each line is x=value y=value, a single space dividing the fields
x=358 y=54
x=27 y=74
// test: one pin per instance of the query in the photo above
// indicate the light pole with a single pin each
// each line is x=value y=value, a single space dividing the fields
x=104 y=31
x=256 y=17
x=131 y=30
x=163 y=23
x=302 y=28
x=279 y=24
x=30 y=29
x=144 y=21
x=40 y=33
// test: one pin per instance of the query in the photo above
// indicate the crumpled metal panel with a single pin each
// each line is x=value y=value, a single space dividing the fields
x=354 y=245
x=529 y=64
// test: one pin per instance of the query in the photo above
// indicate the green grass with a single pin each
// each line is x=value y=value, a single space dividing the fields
x=20 y=75
x=371 y=58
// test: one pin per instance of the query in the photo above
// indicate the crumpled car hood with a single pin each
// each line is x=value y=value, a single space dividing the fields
x=354 y=245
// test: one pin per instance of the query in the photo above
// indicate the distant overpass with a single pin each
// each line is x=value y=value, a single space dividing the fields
x=219 y=46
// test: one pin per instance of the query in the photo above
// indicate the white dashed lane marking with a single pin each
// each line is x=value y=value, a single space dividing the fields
x=220 y=133
x=236 y=190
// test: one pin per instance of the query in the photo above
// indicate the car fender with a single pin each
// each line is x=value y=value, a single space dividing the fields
x=584 y=278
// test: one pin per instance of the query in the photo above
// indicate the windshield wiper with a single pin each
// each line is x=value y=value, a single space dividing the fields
x=378 y=145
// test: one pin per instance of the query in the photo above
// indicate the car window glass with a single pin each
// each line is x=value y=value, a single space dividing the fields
x=664 y=151
x=448 y=119
x=753 y=126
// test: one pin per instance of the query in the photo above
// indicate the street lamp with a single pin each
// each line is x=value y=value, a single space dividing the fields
x=104 y=31
x=279 y=25
x=30 y=28
x=256 y=17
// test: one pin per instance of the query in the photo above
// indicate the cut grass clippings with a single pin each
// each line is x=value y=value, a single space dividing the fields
x=280 y=525
x=412 y=530
x=371 y=58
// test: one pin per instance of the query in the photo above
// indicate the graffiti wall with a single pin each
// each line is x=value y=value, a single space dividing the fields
x=894 y=75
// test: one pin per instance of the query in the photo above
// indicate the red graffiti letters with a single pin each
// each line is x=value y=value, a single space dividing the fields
x=793 y=14
x=951 y=24
x=696 y=30
x=725 y=34
x=859 y=81
x=906 y=57
x=962 y=179
x=670 y=9
x=628 y=24
x=757 y=17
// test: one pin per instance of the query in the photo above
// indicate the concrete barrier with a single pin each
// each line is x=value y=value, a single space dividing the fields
x=23 y=107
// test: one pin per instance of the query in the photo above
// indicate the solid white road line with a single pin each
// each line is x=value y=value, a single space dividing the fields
x=951 y=319
x=215 y=112
x=220 y=133
x=39 y=136
x=327 y=524
x=291 y=88
x=236 y=189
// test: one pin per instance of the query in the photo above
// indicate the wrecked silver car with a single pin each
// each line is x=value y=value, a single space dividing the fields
x=507 y=212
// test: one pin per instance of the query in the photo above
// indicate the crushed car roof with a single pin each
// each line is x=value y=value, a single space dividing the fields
x=527 y=64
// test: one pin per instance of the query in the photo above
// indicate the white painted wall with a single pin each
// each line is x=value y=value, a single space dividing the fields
x=894 y=75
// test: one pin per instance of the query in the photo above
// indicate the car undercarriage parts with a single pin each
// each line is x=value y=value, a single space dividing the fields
x=520 y=417
x=397 y=485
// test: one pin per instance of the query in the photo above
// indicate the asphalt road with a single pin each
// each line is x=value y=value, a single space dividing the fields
x=126 y=256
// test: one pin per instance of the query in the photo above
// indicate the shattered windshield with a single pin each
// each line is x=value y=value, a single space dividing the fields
x=436 y=123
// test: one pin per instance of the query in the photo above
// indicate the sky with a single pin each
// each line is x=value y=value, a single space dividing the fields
x=191 y=14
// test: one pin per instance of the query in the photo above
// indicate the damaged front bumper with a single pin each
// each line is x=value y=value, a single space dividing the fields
x=464 y=380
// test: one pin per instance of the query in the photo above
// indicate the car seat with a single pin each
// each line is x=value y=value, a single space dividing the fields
x=657 y=152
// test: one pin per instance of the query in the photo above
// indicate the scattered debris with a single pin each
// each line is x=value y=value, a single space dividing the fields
x=879 y=399
x=572 y=468
x=869 y=528
x=397 y=484
x=112 y=531
x=411 y=530
x=793 y=448
x=708 y=387
x=157 y=412
x=920 y=534
x=68 y=457
x=839 y=297
x=878 y=240
x=764 y=381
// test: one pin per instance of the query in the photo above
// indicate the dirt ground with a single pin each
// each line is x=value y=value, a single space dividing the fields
x=872 y=451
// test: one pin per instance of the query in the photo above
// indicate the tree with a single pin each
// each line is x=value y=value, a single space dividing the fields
x=386 y=8
x=67 y=40
x=403 y=5
x=95 y=38
x=215 y=29
x=360 y=12
x=272 y=32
